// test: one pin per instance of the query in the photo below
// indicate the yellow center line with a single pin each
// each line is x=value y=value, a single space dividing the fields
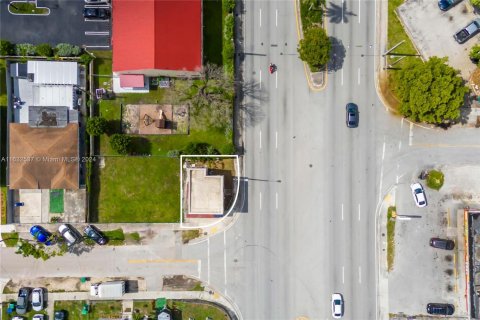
x=162 y=261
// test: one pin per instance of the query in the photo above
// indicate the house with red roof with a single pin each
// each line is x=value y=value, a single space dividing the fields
x=152 y=38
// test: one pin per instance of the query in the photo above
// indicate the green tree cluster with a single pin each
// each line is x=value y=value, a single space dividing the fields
x=6 y=48
x=44 y=50
x=430 y=91
x=475 y=53
x=96 y=126
x=120 y=143
x=315 y=48
x=68 y=50
x=475 y=3
x=25 y=49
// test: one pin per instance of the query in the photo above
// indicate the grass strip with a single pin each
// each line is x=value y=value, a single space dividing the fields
x=391 y=237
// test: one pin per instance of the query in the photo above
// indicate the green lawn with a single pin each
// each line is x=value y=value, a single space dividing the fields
x=390 y=238
x=102 y=68
x=27 y=315
x=115 y=237
x=98 y=309
x=26 y=8
x=10 y=238
x=311 y=13
x=181 y=310
x=212 y=31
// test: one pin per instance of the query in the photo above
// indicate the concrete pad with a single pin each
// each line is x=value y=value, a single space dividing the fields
x=75 y=202
x=432 y=30
x=31 y=212
x=205 y=192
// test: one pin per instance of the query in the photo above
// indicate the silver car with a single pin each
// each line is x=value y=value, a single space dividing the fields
x=37 y=299
x=69 y=233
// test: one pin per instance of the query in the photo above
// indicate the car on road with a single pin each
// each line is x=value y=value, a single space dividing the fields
x=37 y=299
x=444 y=244
x=469 y=31
x=337 y=305
x=444 y=309
x=38 y=316
x=418 y=195
x=70 y=235
x=22 y=300
x=42 y=235
x=96 y=13
x=444 y=5
x=60 y=315
x=96 y=235
x=352 y=115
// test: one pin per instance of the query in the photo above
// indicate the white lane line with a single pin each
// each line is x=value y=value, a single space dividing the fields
x=358 y=75
x=342 y=76
x=358 y=11
x=380 y=185
x=225 y=259
x=343 y=274
x=276 y=139
x=276 y=80
x=276 y=17
x=359 y=212
x=260 y=79
x=359 y=274
x=260 y=139
x=97 y=33
x=208 y=259
x=260 y=201
x=276 y=200
x=410 y=136
x=401 y=124
x=383 y=152
x=199 y=269
x=398 y=178
x=342 y=11
x=342 y=211
x=260 y=18
x=399 y=145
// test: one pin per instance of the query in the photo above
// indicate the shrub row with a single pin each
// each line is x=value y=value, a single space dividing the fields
x=228 y=49
x=44 y=49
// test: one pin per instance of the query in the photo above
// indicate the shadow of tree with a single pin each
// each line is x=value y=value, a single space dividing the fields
x=337 y=55
x=140 y=146
x=80 y=248
x=253 y=113
x=336 y=13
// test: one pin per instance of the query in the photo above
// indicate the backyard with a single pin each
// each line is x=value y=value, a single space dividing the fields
x=181 y=310
x=98 y=309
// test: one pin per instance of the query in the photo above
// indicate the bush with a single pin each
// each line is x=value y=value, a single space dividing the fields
x=229 y=5
x=475 y=53
x=315 y=48
x=435 y=179
x=67 y=50
x=228 y=28
x=475 y=3
x=44 y=50
x=25 y=49
x=174 y=153
x=96 y=126
x=200 y=148
x=120 y=143
x=6 y=48
x=85 y=58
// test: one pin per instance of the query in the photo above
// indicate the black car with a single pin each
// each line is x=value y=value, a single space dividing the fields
x=96 y=235
x=444 y=5
x=469 y=31
x=22 y=300
x=444 y=309
x=96 y=13
x=352 y=115
x=60 y=315
x=444 y=244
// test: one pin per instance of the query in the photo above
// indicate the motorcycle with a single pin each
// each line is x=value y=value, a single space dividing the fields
x=272 y=68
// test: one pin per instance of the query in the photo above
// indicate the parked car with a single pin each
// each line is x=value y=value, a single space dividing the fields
x=96 y=235
x=418 y=195
x=37 y=299
x=17 y=318
x=60 y=315
x=38 y=316
x=337 y=305
x=469 y=31
x=442 y=243
x=96 y=13
x=70 y=235
x=352 y=115
x=444 y=309
x=444 y=5
x=102 y=2
x=42 y=235
x=22 y=300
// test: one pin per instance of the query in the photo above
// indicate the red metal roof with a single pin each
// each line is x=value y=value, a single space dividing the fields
x=132 y=81
x=157 y=34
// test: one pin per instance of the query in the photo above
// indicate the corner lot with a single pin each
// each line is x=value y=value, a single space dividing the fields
x=432 y=30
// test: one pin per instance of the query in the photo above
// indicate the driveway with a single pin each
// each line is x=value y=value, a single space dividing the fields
x=64 y=24
x=432 y=30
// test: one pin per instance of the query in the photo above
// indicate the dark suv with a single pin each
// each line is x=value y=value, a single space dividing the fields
x=444 y=309
x=352 y=115
x=444 y=244
x=22 y=300
x=96 y=13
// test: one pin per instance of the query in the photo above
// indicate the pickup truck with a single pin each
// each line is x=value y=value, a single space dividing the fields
x=469 y=31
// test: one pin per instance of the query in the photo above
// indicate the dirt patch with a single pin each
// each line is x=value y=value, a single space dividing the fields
x=181 y=283
x=388 y=95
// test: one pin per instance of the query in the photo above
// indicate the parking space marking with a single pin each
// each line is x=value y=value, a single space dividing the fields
x=97 y=33
x=97 y=46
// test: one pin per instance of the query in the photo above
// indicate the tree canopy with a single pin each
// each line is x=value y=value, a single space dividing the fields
x=96 y=126
x=430 y=91
x=315 y=47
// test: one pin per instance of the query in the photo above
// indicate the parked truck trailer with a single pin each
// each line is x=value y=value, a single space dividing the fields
x=111 y=289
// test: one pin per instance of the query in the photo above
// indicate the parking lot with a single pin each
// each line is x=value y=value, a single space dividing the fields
x=432 y=31
x=422 y=274
x=64 y=24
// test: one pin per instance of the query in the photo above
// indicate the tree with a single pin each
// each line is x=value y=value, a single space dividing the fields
x=25 y=49
x=67 y=50
x=96 y=126
x=475 y=3
x=475 y=53
x=430 y=91
x=315 y=48
x=200 y=148
x=120 y=143
x=38 y=250
x=85 y=58
x=44 y=50
x=6 y=48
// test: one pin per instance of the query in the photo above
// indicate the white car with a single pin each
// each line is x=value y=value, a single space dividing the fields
x=337 y=305
x=418 y=195
x=37 y=299
x=70 y=235
x=38 y=316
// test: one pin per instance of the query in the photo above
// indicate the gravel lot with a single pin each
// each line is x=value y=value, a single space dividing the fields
x=432 y=30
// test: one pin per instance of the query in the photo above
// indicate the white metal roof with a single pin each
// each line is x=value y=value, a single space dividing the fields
x=53 y=72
